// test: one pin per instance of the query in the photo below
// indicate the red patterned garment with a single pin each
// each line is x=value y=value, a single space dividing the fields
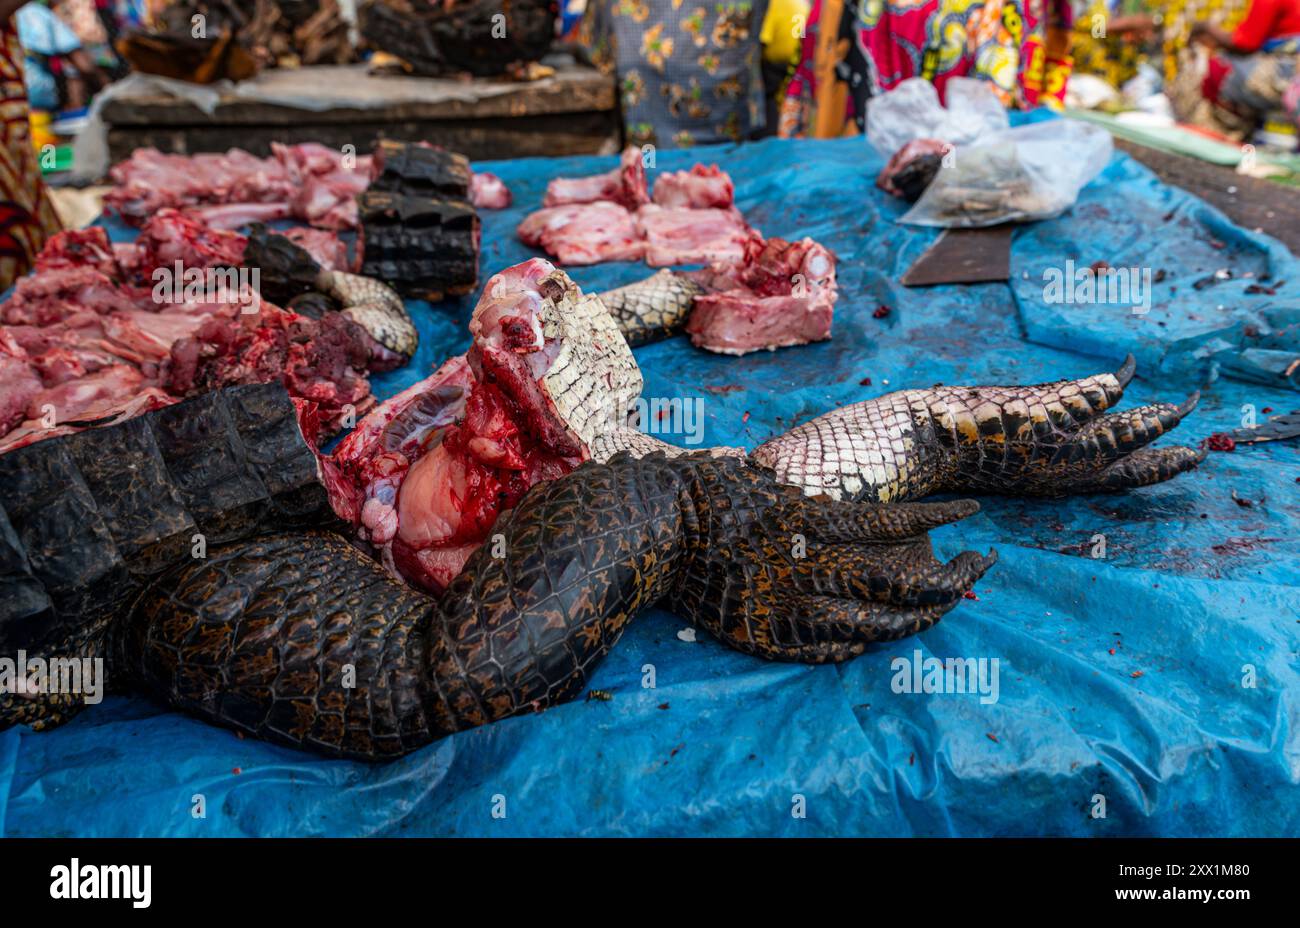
x=26 y=216
x=1018 y=46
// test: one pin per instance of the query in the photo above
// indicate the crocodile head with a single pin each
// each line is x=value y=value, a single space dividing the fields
x=424 y=477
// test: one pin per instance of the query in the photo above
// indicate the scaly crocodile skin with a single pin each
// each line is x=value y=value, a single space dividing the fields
x=302 y=640
x=87 y=520
x=374 y=306
x=652 y=309
x=1051 y=439
x=594 y=378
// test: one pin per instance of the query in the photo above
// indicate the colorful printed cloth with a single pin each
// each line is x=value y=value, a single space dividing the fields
x=688 y=74
x=1110 y=56
x=1181 y=15
x=26 y=216
x=1019 y=46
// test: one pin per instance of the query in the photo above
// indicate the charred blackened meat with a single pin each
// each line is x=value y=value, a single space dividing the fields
x=423 y=247
x=87 y=520
x=483 y=37
x=420 y=170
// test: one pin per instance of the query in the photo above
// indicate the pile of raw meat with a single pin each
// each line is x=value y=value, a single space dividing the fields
x=309 y=182
x=757 y=293
x=95 y=336
x=691 y=219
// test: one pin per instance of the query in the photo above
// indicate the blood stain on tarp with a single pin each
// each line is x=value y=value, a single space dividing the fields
x=1237 y=545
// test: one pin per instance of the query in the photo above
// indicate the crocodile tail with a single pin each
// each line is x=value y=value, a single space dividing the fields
x=653 y=309
x=88 y=520
x=299 y=638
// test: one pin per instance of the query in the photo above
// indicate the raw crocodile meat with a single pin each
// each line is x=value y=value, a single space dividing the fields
x=781 y=294
x=424 y=477
x=487 y=191
x=309 y=181
x=699 y=188
x=89 y=337
x=609 y=217
x=691 y=236
x=584 y=233
x=912 y=168
x=624 y=185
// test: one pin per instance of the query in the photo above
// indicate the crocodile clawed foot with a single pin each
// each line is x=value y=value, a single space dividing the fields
x=1107 y=451
x=816 y=580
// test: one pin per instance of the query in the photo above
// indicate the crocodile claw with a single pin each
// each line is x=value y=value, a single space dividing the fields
x=788 y=577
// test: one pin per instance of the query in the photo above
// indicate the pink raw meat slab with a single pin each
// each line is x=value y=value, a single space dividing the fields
x=625 y=185
x=584 y=233
x=782 y=294
x=699 y=188
x=692 y=236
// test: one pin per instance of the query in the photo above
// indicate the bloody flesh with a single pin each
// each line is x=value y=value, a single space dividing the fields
x=425 y=476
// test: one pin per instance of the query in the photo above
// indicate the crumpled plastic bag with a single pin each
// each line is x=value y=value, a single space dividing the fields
x=994 y=173
x=1027 y=173
x=912 y=111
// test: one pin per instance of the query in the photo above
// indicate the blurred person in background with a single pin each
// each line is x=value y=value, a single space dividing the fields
x=1111 y=38
x=61 y=74
x=688 y=73
x=98 y=24
x=854 y=51
x=1252 y=71
x=26 y=216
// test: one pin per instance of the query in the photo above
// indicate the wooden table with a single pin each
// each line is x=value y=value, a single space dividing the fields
x=574 y=112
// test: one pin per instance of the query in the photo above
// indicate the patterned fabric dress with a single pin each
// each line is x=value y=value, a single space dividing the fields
x=1018 y=46
x=688 y=72
x=1110 y=56
x=26 y=216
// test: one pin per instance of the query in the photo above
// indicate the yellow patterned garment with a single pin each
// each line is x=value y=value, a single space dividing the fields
x=26 y=216
x=1181 y=15
x=1114 y=58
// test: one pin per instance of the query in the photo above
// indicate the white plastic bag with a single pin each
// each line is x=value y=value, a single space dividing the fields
x=912 y=111
x=1030 y=172
x=994 y=173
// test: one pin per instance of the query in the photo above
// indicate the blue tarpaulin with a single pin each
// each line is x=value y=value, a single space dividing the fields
x=1157 y=684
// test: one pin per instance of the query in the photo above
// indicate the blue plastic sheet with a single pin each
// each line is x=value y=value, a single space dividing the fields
x=1124 y=677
